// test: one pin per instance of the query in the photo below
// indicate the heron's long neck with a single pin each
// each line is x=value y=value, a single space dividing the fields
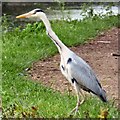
x=52 y=35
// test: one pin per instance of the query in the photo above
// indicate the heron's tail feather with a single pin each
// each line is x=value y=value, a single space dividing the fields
x=103 y=96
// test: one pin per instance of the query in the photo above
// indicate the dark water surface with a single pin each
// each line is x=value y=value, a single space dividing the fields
x=56 y=10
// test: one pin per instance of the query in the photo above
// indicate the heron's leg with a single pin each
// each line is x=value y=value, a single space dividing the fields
x=83 y=97
x=77 y=105
x=78 y=101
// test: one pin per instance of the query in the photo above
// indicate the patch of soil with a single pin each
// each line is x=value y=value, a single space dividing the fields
x=98 y=53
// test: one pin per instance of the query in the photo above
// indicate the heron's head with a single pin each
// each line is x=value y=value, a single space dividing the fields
x=36 y=13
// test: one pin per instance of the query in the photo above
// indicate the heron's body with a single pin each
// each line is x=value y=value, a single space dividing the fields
x=74 y=68
x=79 y=73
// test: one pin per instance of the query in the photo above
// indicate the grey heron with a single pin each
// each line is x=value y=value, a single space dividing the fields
x=74 y=68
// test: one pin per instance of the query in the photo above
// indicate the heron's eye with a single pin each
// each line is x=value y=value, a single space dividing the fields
x=38 y=11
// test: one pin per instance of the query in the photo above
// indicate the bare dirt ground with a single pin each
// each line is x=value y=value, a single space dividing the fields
x=97 y=53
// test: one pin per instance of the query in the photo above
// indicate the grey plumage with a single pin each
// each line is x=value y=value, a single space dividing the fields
x=85 y=77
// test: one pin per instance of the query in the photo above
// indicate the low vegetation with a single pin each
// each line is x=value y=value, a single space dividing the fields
x=22 y=97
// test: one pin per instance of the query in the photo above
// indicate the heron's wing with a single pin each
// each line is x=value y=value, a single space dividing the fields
x=79 y=70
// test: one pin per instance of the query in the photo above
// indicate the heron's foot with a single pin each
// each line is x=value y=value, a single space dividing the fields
x=75 y=110
x=82 y=101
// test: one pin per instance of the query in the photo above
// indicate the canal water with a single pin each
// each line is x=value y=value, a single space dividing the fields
x=69 y=11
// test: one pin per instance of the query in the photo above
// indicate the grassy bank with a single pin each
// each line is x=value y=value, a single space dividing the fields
x=22 y=97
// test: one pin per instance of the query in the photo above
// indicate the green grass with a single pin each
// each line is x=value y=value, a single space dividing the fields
x=22 y=97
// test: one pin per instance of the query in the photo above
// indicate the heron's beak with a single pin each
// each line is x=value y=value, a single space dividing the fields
x=26 y=15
